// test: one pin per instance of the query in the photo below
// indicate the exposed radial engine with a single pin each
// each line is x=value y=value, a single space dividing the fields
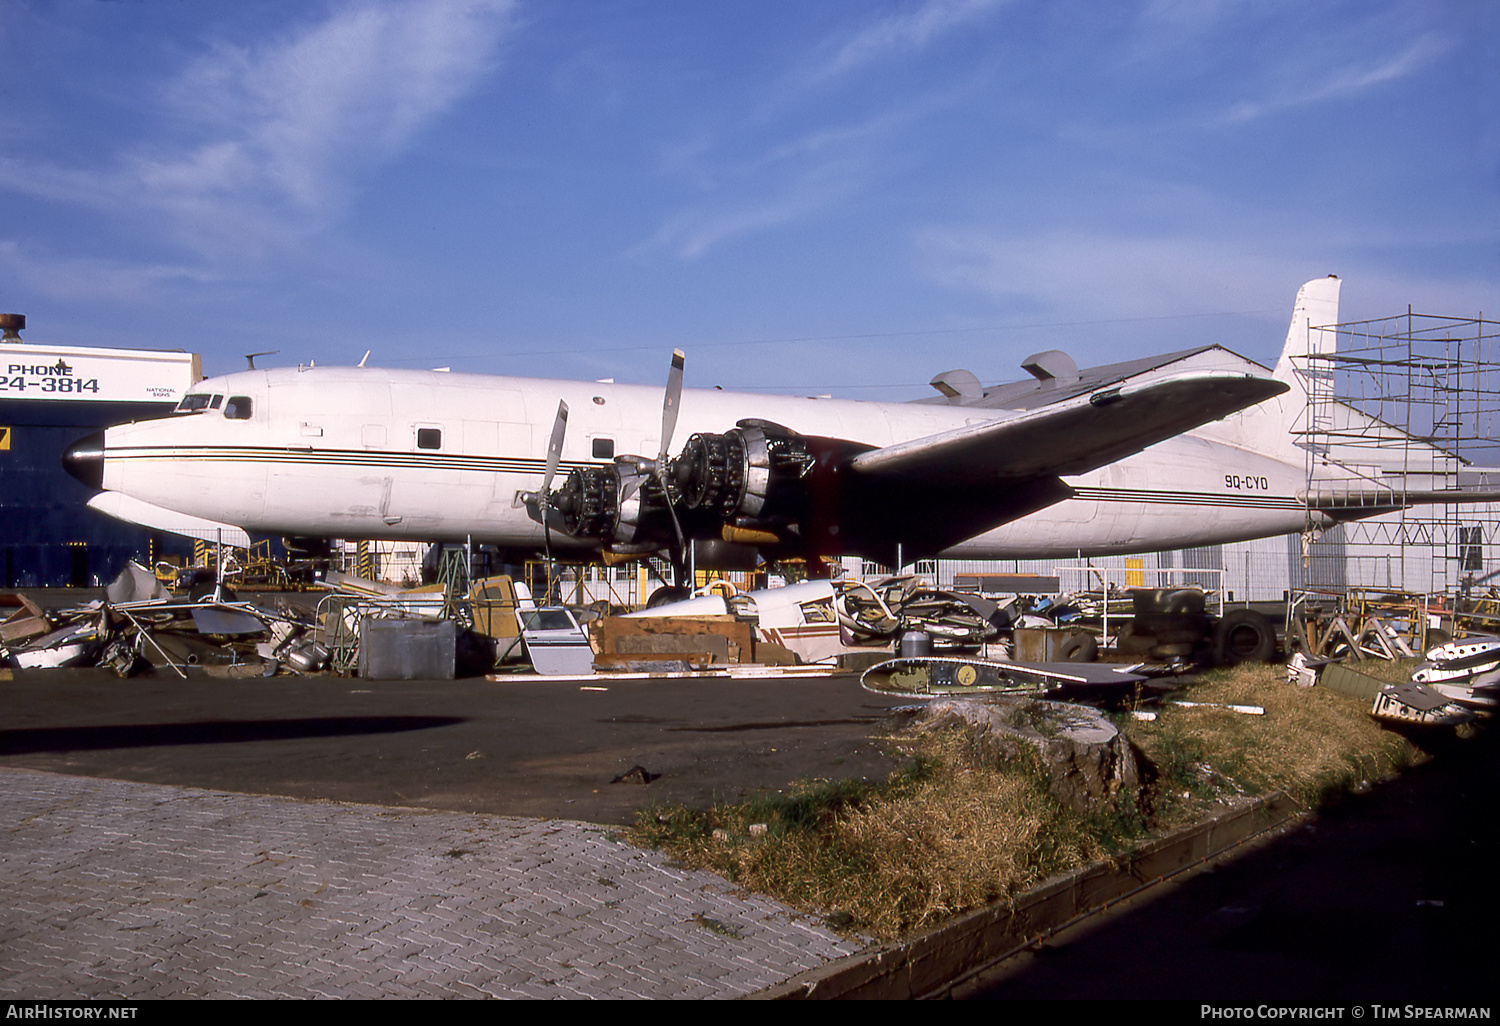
x=751 y=485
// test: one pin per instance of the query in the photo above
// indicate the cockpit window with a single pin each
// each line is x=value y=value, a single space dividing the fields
x=198 y=402
x=238 y=408
x=193 y=403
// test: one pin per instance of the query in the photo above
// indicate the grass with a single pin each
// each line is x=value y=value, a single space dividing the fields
x=1310 y=743
x=948 y=833
x=939 y=837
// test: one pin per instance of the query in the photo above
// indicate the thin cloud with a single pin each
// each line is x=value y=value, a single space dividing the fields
x=693 y=232
x=274 y=134
x=1095 y=274
x=904 y=33
x=1342 y=83
x=787 y=182
x=88 y=280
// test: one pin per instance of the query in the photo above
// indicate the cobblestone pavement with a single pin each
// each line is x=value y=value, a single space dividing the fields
x=135 y=891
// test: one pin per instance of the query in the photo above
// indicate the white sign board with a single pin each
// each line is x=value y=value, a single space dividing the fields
x=74 y=373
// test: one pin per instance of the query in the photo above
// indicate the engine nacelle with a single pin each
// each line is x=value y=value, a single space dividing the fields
x=753 y=479
x=620 y=504
x=754 y=476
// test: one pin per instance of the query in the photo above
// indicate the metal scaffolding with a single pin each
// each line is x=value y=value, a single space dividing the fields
x=1414 y=400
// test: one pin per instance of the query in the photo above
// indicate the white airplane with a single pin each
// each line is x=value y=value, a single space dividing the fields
x=1128 y=458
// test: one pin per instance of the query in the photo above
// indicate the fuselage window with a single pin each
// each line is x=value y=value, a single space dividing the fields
x=429 y=438
x=238 y=407
x=604 y=448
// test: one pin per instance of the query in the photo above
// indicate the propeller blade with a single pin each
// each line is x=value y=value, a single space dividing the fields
x=555 y=446
x=554 y=456
x=669 y=409
x=670 y=404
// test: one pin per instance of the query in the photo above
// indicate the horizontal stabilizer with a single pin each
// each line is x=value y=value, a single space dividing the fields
x=159 y=518
x=1360 y=502
x=1079 y=434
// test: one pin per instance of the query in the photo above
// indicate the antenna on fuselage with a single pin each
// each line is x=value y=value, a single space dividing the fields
x=250 y=357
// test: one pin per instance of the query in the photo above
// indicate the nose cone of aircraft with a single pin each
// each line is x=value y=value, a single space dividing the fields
x=84 y=459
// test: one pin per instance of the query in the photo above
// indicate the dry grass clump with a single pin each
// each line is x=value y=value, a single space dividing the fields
x=950 y=833
x=941 y=837
x=1309 y=742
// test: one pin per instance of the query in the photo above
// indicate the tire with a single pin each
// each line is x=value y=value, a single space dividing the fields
x=1244 y=636
x=1133 y=642
x=667 y=593
x=1184 y=601
x=1078 y=648
x=1184 y=626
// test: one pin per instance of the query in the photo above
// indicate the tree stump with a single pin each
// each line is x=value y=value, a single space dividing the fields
x=1087 y=759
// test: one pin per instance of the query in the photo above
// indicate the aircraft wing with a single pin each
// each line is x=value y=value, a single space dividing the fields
x=138 y=511
x=1075 y=435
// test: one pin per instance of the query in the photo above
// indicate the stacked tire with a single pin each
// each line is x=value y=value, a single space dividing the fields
x=1171 y=624
x=1244 y=636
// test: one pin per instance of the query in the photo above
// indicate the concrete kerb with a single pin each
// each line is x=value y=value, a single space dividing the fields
x=934 y=960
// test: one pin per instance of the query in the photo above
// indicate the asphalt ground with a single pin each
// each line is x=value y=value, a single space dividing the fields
x=298 y=837
x=542 y=747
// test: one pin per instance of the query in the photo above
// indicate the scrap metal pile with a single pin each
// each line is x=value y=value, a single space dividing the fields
x=950 y=643
x=358 y=626
x=138 y=625
x=881 y=611
x=1466 y=672
x=1457 y=680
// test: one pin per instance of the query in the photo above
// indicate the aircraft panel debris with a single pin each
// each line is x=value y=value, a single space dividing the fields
x=135 y=584
x=493 y=602
x=1008 y=584
x=1459 y=660
x=950 y=676
x=1419 y=704
x=66 y=646
x=881 y=610
x=555 y=642
x=217 y=620
x=699 y=641
x=1346 y=680
x=25 y=623
x=1465 y=671
x=139 y=624
x=393 y=648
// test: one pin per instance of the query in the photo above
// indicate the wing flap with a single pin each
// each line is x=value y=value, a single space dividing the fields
x=1078 y=434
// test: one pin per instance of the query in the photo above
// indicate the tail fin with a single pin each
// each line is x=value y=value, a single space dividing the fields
x=1317 y=306
x=1275 y=426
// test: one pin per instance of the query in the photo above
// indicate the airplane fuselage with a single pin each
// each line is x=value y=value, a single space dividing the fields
x=353 y=452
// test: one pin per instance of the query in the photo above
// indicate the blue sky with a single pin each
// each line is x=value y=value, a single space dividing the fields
x=842 y=197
